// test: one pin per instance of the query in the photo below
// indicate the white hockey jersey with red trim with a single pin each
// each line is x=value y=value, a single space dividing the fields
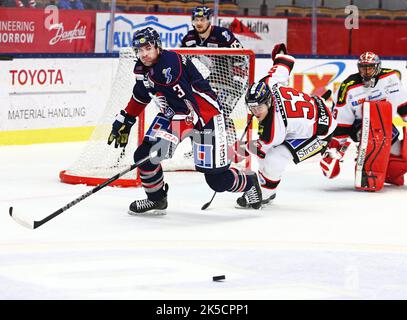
x=293 y=114
x=352 y=93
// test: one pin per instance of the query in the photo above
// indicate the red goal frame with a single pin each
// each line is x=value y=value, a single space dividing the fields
x=93 y=181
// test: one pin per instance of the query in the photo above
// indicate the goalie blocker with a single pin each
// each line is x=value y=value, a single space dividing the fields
x=374 y=147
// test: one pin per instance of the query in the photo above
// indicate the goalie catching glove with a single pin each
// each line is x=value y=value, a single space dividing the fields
x=121 y=129
x=332 y=157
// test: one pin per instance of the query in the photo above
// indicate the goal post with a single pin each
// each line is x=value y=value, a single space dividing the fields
x=229 y=72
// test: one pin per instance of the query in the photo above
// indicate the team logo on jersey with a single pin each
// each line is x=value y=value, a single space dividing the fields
x=203 y=155
x=226 y=35
x=375 y=97
x=167 y=75
x=392 y=91
x=190 y=43
x=358 y=102
x=168 y=112
x=159 y=123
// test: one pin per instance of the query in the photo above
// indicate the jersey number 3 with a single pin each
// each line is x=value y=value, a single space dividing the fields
x=297 y=104
x=177 y=88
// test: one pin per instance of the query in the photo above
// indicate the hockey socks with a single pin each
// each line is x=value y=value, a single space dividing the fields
x=231 y=180
x=239 y=181
x=152 y=181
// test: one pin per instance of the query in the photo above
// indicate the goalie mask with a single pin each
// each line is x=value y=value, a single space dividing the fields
x=258 y=94
x=369 y=66
x=146 y=36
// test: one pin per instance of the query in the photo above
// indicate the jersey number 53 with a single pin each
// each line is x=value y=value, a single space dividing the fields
x=297 y=104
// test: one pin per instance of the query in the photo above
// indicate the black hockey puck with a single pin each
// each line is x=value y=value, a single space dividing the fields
x=218 y=278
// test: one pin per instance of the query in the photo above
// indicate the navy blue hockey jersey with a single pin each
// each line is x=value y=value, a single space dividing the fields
x=218 y=38
x=186 y=92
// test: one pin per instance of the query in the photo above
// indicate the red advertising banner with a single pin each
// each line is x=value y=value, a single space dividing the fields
x=41 y=31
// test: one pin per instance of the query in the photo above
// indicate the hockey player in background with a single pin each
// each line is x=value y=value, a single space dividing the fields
x=204 y=34
x=188 y=106
x=386 y=153
x=293 y=126
x=227 y=85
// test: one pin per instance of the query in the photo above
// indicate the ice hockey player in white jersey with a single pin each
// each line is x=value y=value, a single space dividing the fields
x=371 y=83
x=293 y=126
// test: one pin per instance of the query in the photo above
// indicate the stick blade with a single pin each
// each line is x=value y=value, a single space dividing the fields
x=21 y=219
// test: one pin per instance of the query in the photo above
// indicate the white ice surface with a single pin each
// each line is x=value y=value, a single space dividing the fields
x=319 y=240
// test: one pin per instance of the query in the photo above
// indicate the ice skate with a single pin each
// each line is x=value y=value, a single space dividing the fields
x=251 y=199
x=148 y=207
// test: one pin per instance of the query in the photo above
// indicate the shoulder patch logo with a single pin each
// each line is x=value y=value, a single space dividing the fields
x=226 y=35
x=167 y=75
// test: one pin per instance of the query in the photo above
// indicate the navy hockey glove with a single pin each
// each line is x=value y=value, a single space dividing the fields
x=121 y=129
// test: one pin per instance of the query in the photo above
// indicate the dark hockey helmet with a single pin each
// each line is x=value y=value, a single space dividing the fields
x=369 y=65
x=146 y=36
x=202 y=11
x=257 y=94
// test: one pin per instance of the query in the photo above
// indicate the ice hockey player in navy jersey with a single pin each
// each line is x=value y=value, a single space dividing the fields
x=188 y=107
x=204 y=34
x=226 y=75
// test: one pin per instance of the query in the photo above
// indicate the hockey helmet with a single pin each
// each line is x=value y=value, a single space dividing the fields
x=201 y=11
x=257 y=94
x=369 y=65
x=146 y=36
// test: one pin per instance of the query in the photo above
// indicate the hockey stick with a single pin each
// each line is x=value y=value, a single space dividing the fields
x=35 y=224
x=206 y=205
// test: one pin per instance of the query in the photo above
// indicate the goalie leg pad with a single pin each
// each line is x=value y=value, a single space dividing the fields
x=374 y=147
x=403 y=148
x=397 y=167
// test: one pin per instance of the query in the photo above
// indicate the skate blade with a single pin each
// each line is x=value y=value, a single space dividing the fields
x=247 y=208
x=148 y=213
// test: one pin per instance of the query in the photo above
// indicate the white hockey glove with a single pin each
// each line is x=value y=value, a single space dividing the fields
x=242 y=149
x=332 y=157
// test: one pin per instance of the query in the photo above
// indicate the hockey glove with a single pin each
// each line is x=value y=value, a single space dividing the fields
x=237 y=152
x=278 y=48
x=332 y=157
x=242 y=149
x=121 y=129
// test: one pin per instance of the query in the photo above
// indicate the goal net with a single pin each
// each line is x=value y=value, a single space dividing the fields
x=229 y=71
